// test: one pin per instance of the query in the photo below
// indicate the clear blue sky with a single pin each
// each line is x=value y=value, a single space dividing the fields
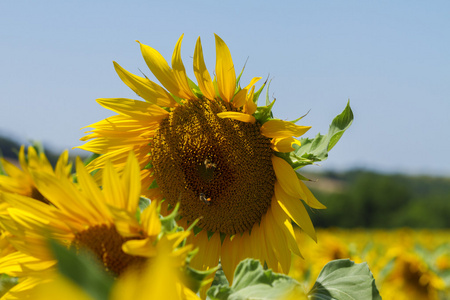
x=390 y=58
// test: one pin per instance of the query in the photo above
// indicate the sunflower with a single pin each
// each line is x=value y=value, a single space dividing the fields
x=84 y=216
x=411 y=278
x=20 y=181
x=213 y=150
x=157 y=280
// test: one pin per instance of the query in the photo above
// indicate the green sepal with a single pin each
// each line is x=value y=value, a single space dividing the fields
x=195 y=89
x=37 y=145
x=6 y=283
x=238 y=79
x=195 y=278
x=209 y=234
x=153 y=185
x=264 y=113
x=222 y=237
x=168 y=223
x=313 y=150
x=83 y=270
x=2 y=170
x=197 y=230
x=149 y=165
x=251 y=281
x=301 y=177
x=177 y=99
x=220 y=278
x=342 y=279
x=90 y=158
x=144 y=202
x=267 y=93
x=298 y=119
x=258 y=92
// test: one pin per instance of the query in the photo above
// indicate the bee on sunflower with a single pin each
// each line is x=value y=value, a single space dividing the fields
x=209 y=147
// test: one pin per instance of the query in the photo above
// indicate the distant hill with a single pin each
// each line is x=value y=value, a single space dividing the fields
x=361 y=198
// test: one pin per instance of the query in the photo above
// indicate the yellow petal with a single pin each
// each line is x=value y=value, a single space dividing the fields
x=250 y=106
x=252 y=82
x=237 y=116
x=256 y=249
x=113 y=188
x=309 y=198
x=270 y=256
x=201 y=73
x=240 y=98
x=90 y=188
x=284 y=144
x=179 y=72
x=285 y=225
x=286 y=177
x=63 y=168
x=145 y=88
x=139 y=110
x=150 y=220
x=226 y=76
x=11 y=169
x=22 y=159
x=230 y=256
x=58 y=288
x=282 y=129
x=277 y=241
x=295 y=209
x=142 y=247
x=208 y=251
x=102 y=145
x=66 y=196
x=132 y=182
x=159 y=67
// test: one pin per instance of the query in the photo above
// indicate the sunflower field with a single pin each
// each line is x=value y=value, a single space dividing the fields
x=195 y=190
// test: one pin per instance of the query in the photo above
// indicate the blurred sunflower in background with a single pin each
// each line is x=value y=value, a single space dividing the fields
x=19 y=181
x=83 y=216
x=213 y=150
x=411 y=278
x=159 y=278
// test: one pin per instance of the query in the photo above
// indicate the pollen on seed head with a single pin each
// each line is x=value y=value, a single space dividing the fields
x=219 y=169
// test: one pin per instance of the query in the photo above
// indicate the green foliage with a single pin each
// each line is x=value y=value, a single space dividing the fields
x=314 y=150
x=371 y=200
x=251 y=281
x=342 y=279
x=6 y=283
x=84 y=271
x=339 y=279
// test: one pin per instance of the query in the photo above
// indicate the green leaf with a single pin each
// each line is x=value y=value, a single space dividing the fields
x=6 y=283
x=90 y=158
x=342 y=279
x=251 y=281
x=83 y=270
x=313 y=150
x=264 y=113
x=194 y=278
x=220 y=278
x=143 y=203
x=258 y=92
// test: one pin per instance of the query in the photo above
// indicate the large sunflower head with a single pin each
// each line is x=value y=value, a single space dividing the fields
x=210 y=147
